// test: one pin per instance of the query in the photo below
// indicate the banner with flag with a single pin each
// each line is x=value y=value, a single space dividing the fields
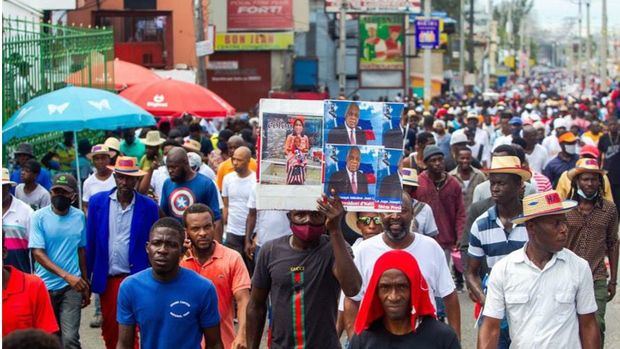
x=363 y=146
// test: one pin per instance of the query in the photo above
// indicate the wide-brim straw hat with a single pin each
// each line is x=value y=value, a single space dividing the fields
x=410 y=177
x=153 y=139
x=543 y=204
x=99 y=149
x=192 y=145
x=583 y=166
x=6 y=178
x=350 y=220
x=113 y=143
x=128 y=166
x=510 y=165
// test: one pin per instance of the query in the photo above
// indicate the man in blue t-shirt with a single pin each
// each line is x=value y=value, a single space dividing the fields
x=58 y=241
x=186 y=187
x=173 y=307
x=22 y=154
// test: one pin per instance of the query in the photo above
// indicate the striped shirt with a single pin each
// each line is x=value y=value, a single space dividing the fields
x=488 y=238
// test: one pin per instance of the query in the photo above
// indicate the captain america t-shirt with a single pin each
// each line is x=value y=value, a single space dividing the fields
x=177 y=197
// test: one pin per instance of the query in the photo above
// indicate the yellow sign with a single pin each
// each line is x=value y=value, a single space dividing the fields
x=253 y=41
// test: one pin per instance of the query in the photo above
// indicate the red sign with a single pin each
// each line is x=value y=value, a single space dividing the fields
x=248 y=15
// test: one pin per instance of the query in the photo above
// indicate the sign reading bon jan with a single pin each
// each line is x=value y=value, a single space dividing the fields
x=253 y=41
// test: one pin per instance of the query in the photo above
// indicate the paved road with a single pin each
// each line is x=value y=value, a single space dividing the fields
x=91 y=338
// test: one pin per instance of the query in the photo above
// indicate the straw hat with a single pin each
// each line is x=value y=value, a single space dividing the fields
x=508 y=164
x=192 y=145
x=127 y=165
x=410 y=177
x=113 y=143
x=543 y=204
x=6 y=179
x=585 y=165
x=350 y=218
x=153 y=139
x=99 y=149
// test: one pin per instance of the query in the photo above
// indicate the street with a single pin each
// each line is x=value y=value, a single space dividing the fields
x=91 y=337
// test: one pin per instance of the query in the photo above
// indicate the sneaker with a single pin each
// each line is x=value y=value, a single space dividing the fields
x=96 y=321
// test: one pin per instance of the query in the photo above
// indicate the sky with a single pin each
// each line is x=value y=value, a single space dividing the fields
x=551 y=12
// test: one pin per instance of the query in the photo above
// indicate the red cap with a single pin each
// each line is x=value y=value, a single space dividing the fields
x=589 y=150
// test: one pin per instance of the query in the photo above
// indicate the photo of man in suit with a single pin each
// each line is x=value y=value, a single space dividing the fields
x=350 y=180
x=349 y=133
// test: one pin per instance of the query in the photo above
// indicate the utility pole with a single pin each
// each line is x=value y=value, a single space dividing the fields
x=588 y=42
x=342 y=40
x=603 y=65
x=462 y=46
x=407 y=54
x=521 y=46
x=427 y=61
x=199 y=33
x=579 y=48
x=472 y=64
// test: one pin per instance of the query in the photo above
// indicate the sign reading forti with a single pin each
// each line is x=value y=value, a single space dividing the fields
x=426 y=33
x=379 y=6
x=253 y=41
x=250 y=15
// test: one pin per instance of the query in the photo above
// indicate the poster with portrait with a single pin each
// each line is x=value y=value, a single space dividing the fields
x=381 y=42
x=290 y=154
x=363 y=146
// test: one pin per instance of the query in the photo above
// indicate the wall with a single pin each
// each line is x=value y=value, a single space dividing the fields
x=184 y=51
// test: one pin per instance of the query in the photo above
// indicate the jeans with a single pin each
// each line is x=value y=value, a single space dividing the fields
x=600 y=294
x=67 y=304
x=237 y=243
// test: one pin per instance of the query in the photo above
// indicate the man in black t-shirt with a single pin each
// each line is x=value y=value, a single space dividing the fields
x=304 y=273
x=609 y=146
x=397 y=312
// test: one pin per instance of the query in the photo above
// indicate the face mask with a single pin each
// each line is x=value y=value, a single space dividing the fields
x=307 y=232
x=570 y=149
x=584 y=196
x=54 y=165
x=61 y=203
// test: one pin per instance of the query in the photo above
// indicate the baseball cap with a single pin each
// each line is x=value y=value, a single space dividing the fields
x=64 y=181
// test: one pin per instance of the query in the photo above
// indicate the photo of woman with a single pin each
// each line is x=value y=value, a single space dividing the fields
x=296 y=148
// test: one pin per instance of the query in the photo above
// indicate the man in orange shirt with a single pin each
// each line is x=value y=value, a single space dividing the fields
x=25 y=301
x=226 y=167
x=223 y=266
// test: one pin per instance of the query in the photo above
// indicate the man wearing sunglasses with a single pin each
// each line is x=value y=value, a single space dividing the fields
x=303 y=274
x=397 y=236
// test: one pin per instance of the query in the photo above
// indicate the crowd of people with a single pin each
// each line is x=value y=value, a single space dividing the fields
x=511 y=199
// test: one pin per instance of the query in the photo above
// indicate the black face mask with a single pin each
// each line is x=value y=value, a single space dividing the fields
x=61 y=203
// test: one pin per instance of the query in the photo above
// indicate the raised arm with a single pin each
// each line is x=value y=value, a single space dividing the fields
x=344 y=269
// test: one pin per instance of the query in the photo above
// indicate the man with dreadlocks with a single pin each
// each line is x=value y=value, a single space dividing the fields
x=593 y=231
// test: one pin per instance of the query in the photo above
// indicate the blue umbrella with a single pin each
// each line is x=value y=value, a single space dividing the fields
x=75 y=109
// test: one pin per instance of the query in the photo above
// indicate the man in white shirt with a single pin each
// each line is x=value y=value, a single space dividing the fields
x=535 y=153
x=423 y=221
x=16 y=217
x=551 y=142
x=478 y=139
x=262 y=226
x=102 y=179
x=427 y=252
x=236 y=189
x=545 y=290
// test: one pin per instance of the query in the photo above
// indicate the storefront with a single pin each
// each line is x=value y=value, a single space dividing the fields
x=240 y=70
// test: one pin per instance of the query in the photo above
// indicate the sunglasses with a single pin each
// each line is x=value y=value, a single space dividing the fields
x=367 y=220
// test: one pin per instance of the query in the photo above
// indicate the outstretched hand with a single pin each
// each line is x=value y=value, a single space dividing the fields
x=332 y=208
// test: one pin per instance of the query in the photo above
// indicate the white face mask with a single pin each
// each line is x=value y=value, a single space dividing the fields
x=570 y=149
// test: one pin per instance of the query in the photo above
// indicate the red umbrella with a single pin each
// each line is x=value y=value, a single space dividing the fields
x=125 y=75
x=167 y=97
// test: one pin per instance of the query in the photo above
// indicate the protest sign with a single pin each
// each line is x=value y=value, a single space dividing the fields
x=363 y=145
x=291 y=154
